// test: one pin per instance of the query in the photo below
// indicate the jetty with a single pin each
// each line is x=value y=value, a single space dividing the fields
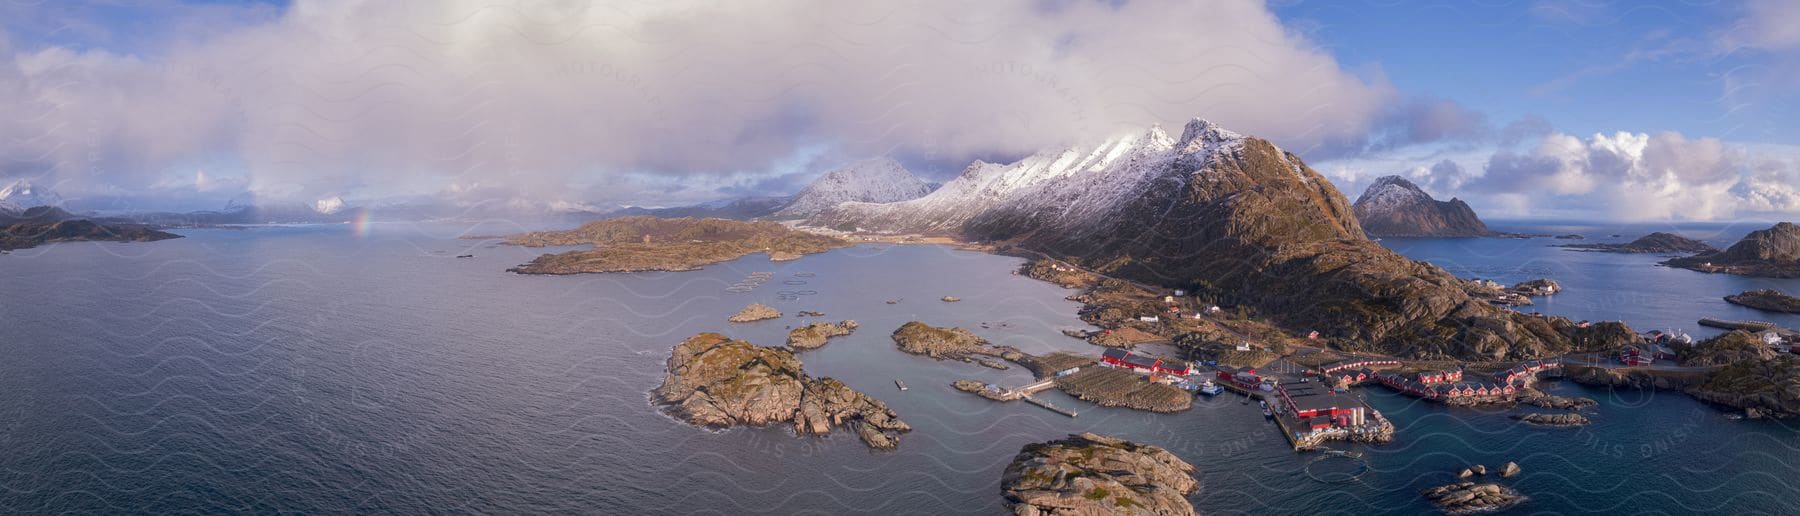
x=1048 y=405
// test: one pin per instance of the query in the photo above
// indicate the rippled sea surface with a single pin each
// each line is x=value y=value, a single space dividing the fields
x=318 y=369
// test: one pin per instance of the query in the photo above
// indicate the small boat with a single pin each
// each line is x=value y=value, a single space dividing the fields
x=1210 y=389
x=1267 y=414
x=951 y=299
x=900 y=384
x=465 y=256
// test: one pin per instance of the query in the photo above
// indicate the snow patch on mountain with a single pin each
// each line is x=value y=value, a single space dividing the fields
x=19 y=195
x=328 y=205
x=1066 y=188
x=878 y=180
x=1391 y=193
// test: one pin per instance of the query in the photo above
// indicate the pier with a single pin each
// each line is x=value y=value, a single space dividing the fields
x=1048 y=405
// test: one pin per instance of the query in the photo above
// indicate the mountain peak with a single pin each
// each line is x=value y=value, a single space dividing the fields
x=1395 y=206
x=878 y=179
x=20 y=194
x=1202 y=132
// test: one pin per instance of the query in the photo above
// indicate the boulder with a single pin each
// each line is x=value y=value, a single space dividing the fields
x=1093 y=474
x=1510 y=470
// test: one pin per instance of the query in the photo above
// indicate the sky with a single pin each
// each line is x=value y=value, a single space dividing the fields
x=1596 y=110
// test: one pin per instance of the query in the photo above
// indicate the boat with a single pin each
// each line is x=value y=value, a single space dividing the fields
x=1268 y=414
x=951 y=299
x=1209 y=388
x=465 y=256
x=900 y=384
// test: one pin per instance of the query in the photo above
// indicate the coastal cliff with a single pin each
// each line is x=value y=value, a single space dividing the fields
x=1772 y=253
x=716 y=381
x=1395 y=207
x=1093 y=474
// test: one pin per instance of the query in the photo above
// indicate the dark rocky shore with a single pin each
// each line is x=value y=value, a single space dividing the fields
x=1659 y=243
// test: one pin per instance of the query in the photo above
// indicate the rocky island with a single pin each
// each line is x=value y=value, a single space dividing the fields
x=1768 y=300
x=755 y=312
x=43 y=225
x=1093 y=474
x=814 y=336
x=638 y=244
x=1469 y=497
x=719 y=382
x=1659 y=243
x=952 y=344
x=1770 y=253
x=1395 y=207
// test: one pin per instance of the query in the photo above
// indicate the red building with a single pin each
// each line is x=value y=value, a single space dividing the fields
x=1445 y=376
x=1145 y=363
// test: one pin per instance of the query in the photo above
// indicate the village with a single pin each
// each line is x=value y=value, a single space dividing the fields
x=1301 y=384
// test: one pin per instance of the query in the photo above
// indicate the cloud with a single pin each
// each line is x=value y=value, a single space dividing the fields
x=1765 y=25
x=541 y=99
x=1634 y=176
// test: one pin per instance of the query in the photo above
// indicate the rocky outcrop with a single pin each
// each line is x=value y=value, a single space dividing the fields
x=1537 y=398
x=983 y=390
x=1395 y=207
x=814 y=336
x=1113 y=387
x=1470 y=497
x=1659 y=243
x=1511 y=469
x=1732 y=347
x=719 y=382
x=1091 y=474
x=1773 y=253
x=1561 y=420
x=1761 y=387
x=1234 y=219
x=755 y=312
x=1636 y=378
x=1769 y=300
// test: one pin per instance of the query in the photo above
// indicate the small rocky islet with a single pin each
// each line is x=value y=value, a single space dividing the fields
x=1093 y=474
x=815 y=335
x=719 y=382
x=755 y=312
x=644 y=243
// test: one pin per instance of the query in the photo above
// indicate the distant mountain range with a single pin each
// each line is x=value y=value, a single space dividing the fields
x=1395 y=207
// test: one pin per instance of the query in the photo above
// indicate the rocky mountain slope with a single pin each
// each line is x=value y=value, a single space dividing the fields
x=877 y=180
x=1235 y=219
x=1658 y=242
x=1773 y=253
x=1395 y=207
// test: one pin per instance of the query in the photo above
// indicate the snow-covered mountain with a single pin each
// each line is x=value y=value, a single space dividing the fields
x=18 y=195
x=1067 y=188
x=1395 y=207
x=877 y=180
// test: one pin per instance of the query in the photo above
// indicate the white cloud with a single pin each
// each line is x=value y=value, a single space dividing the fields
x=538 y=98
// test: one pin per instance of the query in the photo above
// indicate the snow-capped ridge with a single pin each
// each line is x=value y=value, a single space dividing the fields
x=20 y=195
x=870 y=180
